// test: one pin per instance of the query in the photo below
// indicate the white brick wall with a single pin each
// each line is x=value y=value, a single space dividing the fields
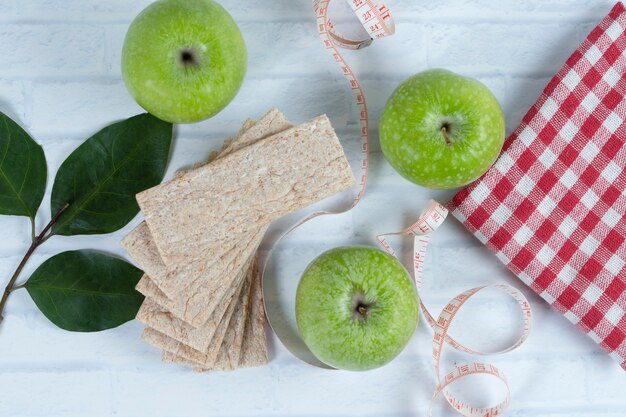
x=59 y=76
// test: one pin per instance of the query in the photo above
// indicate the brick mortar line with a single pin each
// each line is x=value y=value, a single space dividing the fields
x=417 y=17
x=114 y=78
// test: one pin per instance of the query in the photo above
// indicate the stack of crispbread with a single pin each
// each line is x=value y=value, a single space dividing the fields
x=198 y=244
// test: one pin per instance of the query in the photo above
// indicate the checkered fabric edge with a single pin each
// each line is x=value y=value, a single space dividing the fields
x=553 y=207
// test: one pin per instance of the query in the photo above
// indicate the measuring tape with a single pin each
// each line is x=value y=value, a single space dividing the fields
x=422 y=230
x=378 y=22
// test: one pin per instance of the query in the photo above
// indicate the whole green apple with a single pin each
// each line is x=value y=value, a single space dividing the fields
x=356 y=308
x=442 y=130
x=184 y=60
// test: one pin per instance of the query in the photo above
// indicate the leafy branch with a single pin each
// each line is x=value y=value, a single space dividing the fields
x=93 y=193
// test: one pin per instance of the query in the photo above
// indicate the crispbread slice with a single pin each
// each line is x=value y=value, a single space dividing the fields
x=161 y=320
x=230 y=351
x=305 y=164
x=254 y=345
x=140 y=246
x=254 y=185
x=229 y=333
x=148 y=288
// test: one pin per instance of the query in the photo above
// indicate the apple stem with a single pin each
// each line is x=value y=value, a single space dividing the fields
x=444 y=132
x=363 y=311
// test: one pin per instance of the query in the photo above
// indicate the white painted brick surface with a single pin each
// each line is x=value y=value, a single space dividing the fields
x=54 y=50
x=59 y=76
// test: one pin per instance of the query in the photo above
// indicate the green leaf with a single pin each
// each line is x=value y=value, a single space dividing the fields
x=100 y=179
x=86 y=291
x=23 y=170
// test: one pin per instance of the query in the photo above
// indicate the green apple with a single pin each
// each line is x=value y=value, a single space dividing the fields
x=184 y=60
x=442 y=130
x=356 y=308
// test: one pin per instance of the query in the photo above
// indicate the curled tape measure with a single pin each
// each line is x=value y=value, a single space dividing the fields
x=422 y=230
x=378 y=22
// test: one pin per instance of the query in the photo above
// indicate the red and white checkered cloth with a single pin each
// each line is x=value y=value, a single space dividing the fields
x=553 y=207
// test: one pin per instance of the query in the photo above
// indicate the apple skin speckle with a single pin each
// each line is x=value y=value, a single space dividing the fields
x=411 y=129
x=325 y=307
x=154 y=72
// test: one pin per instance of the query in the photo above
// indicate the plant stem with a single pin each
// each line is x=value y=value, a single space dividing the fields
x=37 y=241
x=32 y=229
x=9 y=287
